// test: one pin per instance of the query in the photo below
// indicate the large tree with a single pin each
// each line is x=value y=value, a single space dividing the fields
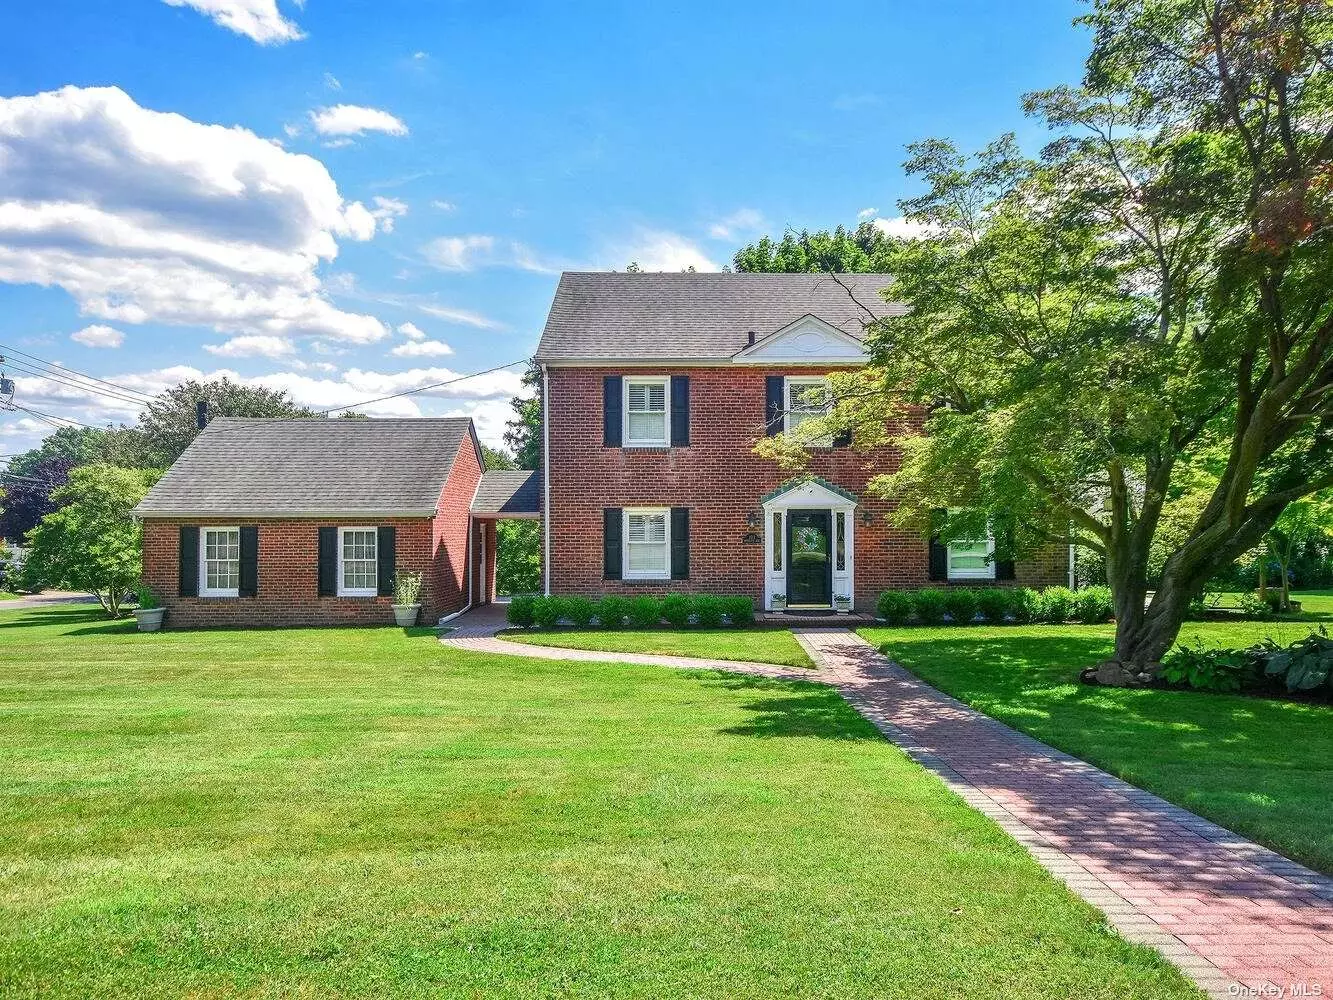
x=523 y=432
x=169 y=421
x=1136 y=328
x=863 y=249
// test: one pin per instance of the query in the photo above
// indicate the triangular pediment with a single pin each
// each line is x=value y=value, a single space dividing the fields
x=811 y=491
x=808 y=339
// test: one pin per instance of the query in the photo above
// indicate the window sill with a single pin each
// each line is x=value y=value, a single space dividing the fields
x=225 y=595
x=645 y=446
x=357 y=594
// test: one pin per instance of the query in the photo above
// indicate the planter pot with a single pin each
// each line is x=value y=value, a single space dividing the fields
x=842 y=607
x=150 y=619
x=406 y=614
x=779 y=606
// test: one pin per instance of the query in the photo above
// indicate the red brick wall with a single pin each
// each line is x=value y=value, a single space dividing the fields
x=720 y=479
x=450 y=532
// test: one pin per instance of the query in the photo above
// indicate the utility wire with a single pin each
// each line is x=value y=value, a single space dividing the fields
x=23 y=369
x=93 y=378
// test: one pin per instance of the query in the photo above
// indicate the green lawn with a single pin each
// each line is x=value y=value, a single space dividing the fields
x=1261 y=767
x=366 y=813
x=755 y=645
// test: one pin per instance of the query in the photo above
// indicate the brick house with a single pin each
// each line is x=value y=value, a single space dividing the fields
x=307 y=522
x=656 y=388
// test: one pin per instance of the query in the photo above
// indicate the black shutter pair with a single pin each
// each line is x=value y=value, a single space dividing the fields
x=248 y=585
x=613 y=413
x=385 y=561
x=613 y=521
x=775 y=408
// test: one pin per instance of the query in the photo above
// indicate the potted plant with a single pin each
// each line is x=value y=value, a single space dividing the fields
x=407 y=599
x=842 y=603
x=149 y=613
x=779 y=602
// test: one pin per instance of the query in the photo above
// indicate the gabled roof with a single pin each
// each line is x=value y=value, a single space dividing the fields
x=797 y=482
x=506 y=493
x=312 y=468
x=680 y=317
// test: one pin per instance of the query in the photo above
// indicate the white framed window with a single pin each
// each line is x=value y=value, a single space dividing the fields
x=972 y=560
x=647 y=543
x=358 y=562
x=219 y=562
x=647 y=411
x=807 y=397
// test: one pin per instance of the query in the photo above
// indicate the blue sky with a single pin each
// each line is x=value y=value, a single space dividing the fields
x=352 y=197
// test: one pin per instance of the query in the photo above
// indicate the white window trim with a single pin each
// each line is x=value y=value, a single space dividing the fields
x=987 y=572
x=808 y=381
x=625 y=572
x=665 y=440
x=357 y=591
x=204 y=589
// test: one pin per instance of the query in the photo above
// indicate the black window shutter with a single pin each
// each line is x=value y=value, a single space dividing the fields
x=773 y=407
x=386 y=561
x=612 y=525
x=843 y=438
x=939 y=552
x=1004 y=568
x=328 y=562
x=612 y=398
x=680 y=543
x=680 y=411
x=189 y=561
x=248 y=586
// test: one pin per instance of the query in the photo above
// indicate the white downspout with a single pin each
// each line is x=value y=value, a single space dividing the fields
x=546 y=482
x=471 y=523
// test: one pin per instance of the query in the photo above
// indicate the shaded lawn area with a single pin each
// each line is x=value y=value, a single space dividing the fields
x=754 y=645
x=1260 y=767
x=366 y=813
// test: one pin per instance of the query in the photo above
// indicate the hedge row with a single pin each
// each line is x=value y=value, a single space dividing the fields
x=612 y=611
x=996 y=605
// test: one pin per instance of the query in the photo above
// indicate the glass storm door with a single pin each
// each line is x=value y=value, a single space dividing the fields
x=809 y=562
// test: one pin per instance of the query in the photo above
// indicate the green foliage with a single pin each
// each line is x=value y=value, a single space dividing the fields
x=896 y=606
x=708 y=610
x=1092 y=605
x=645 y=612
x=496 y=458
x=169 y=421
x=520 y=611
x=580 y=610
x=92 y=542
x=406 y=587
x=1253 y=606
x=1025 y=605
x=1204 y=603
x=863 y=249
x=929 y=603
x=1206 y=669
x=518 y=556
x=995 y=603
x=677 y=609
x=523 y=432
x=144 y=597
x=1057 y=605
x=961 y=605
x=547 y=611
x=611 y=611
x=739 y=610
x=1306 y=665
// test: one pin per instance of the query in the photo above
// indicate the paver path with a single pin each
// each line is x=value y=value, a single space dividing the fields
x=1230 y=913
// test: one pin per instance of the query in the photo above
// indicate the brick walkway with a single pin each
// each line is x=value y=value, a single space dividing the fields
x=1227 y=911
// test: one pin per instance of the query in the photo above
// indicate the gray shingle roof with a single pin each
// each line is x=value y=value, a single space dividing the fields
x=511 y=493
x=608 y=315
x=311 y=467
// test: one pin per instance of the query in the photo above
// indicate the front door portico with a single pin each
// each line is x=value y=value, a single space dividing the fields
x=809 y=554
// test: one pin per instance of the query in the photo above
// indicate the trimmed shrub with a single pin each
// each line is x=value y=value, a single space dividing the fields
x=1092 y=605
x=929 y=604
x=547 y=611
x=961 y=604
x=580 y=610
x=995 y=603
x=708 y=611
x=739 y=610
x=1057 y=604
x=611 y=611
x=519 y=611
x=676 y=609
x=895 y=606
x=645 y=612
x=1024 y=604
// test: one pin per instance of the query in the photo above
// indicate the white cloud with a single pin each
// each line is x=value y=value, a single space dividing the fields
x=353 y=120
x=143 y=216
x=386 y=210
x=332 y=82
x=464 y=316
x=258 y=20
x=253 y=346
x=867 y=213
x=459 y=253
x=743 y=220
x=98 y=335
x=660 y=250
x=422 y=349
x=902 y=229
x=411 y=331
x=443 y=206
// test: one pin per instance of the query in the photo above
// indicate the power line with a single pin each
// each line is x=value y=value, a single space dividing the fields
x=421 y=388
x=24 y=369
x=93 y=378
x=50 y=418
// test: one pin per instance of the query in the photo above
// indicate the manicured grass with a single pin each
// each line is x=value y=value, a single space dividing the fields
x=366 y=813
x=6 y=595
x=1261 y=767
x=755 y=645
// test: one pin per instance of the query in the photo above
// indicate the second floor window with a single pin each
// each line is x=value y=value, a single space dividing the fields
x=647 y=423
x=807 y=398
